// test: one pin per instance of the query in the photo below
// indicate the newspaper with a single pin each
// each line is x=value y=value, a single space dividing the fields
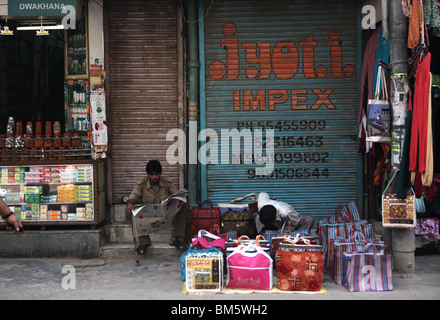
x=149 y=218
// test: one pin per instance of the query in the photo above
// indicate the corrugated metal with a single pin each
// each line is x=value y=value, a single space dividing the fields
x=143 y=74
x=280 y=62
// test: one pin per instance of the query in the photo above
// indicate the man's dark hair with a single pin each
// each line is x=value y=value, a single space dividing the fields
x=153 y=166
x=267 y=214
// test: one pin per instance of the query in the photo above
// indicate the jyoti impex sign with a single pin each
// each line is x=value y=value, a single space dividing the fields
x=38 y=7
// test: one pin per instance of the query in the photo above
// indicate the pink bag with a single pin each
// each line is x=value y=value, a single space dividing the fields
x=250 y=267
x=206 y=239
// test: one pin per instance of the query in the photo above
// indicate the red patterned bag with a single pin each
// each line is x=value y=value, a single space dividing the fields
x=299 y=267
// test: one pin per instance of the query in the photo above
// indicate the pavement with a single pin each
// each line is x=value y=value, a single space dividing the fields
x=158 y=278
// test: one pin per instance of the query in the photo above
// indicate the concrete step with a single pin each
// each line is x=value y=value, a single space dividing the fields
x=119 y=212
x=121 y=232
x=125 y=250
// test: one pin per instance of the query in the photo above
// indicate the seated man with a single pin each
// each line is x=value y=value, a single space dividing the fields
x=272 y=215
x=153 y=190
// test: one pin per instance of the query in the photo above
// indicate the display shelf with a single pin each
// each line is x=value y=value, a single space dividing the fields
x=51 y=193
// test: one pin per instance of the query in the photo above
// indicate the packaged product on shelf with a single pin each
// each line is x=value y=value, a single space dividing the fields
x=33 y=189
x=29 y=128
x=28 y=211
x=71 y=216
x=80 y=213
x=14 y=197
x=23 y=212
x=43 y=211
x=32 y=198
x=35 y=208
x=89 y=210
x=66 y=193
x=50 y=198
x=53 y=215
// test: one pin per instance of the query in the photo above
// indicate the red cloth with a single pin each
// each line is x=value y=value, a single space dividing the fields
x=419 y=130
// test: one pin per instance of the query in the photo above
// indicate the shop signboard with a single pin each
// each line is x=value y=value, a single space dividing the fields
x=38 y=7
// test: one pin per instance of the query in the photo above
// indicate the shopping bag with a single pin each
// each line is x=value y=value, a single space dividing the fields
x=398 y=213
x=245 y=240
x=206 y=239
x=204 y=218
x=193 y=251
x=277 y=236
x=247 y=202
x=379 y=113
x=204 y=272
x=345 y=245
x=368 y=271
x=300 y=267
x=249 y=267
x=242 y=221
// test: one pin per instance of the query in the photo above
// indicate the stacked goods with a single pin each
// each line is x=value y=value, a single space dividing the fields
x=83 y=193
x=76 y=174
x=12 y=175
x=32 y=194
x=66 y=193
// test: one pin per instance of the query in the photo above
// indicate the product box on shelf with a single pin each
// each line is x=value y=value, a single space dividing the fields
x=43 y=211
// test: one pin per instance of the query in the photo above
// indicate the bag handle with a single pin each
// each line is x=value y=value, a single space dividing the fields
x=250 y=195
x=250 y=247
x=357 y=235
x=241 y=238
x=206 y=202
x=389 y=183
x=297 y=238
x=207 y=234
x=381 y=82
x=286 y=224
x=375 y=250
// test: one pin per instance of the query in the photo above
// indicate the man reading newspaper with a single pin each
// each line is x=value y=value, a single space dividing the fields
x=154 y=189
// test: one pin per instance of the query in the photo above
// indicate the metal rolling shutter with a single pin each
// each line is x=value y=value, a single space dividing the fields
x=143 y=72
x=293 y=66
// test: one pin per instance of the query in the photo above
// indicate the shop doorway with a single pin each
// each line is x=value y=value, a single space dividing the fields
x=31 y=76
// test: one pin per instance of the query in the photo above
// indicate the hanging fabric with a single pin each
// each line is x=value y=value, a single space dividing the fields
x=406 y=7
x=415 y=25
x=432 y=16
x=428 y=175
x=420 y=116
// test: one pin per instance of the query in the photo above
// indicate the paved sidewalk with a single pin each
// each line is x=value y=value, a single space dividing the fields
x=158 y=278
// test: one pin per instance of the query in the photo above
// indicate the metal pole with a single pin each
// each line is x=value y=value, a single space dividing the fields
x=193 y=94
x=403 y=240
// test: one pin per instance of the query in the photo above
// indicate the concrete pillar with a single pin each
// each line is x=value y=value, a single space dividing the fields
x=403 y=240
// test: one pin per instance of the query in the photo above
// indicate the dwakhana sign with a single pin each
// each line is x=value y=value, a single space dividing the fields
x=38 y=7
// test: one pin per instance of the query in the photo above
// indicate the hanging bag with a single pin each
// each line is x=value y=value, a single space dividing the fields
x=398 y=213
x=379 y=112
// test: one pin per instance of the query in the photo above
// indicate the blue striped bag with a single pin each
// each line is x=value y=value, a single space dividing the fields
x=368 y=271
x=345 y=246
x=270 y=235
